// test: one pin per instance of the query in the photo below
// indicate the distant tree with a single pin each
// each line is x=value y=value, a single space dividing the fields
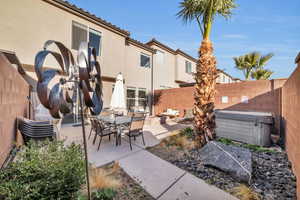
x=252 y=65
x=261 y=74
x=204 y=13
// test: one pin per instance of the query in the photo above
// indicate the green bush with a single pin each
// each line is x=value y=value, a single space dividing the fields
x=44 y=170
x=104 y=194
x=188 y=132
x=101 y=194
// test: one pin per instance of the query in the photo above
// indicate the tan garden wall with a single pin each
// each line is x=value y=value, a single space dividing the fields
x=263 y=96
x=291 y=120
x=13 y=103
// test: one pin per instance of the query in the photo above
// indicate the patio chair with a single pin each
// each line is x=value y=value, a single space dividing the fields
x=93 y=126
x=102 y=131
x=136 y=127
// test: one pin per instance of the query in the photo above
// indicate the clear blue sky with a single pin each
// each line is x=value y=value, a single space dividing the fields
x=257 y=25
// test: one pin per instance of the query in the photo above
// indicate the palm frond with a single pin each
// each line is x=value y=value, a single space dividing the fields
x=264 y=59
x=204 y=11
x=261 y=74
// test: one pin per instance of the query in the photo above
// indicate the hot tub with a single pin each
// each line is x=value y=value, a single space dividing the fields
x=248 y=127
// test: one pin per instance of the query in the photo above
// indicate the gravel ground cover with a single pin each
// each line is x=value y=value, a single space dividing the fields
x=272 y=177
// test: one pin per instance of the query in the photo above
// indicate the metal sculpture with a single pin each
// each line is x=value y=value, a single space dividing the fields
x=84 y=77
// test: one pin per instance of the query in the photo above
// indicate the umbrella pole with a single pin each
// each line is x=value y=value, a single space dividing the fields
x=85 y=146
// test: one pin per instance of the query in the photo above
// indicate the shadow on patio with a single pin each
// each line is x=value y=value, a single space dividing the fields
x=154 y=132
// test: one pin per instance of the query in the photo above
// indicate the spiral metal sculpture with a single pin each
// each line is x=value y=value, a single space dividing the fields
x=53 y=94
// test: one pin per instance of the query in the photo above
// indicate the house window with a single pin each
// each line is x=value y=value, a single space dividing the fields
x=136 y=97
x=130 y=97
x=145 y=61
x=188 y=67
x=142 y=98
x=160 y=57
x=224 y=79
x=79 y=34
x=95 y=40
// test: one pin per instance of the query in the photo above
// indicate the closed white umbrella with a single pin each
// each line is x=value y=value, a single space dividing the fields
x=118 y=96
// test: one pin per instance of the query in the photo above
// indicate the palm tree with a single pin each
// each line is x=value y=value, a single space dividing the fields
x=261 y=74
x=253 y=62
x=204 y=13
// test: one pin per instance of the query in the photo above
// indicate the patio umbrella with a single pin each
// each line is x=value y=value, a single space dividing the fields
x=118 y=97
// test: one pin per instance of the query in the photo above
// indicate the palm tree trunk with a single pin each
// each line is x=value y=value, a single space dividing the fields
x=204 y=119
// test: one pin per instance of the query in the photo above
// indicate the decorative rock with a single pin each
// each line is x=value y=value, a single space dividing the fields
x=234 y=160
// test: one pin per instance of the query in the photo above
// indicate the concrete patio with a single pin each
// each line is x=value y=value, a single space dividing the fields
x=158 y=177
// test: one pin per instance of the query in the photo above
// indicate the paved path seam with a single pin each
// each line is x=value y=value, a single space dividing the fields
x=168 y=188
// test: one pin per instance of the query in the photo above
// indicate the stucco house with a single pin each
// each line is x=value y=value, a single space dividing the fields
x=145 y=66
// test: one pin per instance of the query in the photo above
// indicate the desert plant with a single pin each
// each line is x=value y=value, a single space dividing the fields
x=180 y=140
x=188 y=132
x=204 y=13
x=252 y=65
x=245 y=193
x=103 y=179
x=104 y=194
x=44 y=170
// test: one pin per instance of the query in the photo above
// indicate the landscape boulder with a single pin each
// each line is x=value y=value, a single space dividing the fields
x=236 y=161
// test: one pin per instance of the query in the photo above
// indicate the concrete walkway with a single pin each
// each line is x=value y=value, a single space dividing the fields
x=158 y=177
x=165 y=181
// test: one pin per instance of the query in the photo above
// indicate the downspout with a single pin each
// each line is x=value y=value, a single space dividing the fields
x=152 y=88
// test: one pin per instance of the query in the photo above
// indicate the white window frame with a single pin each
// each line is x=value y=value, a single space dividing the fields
x=162 y=61
x=188 y=67
x=88 y=29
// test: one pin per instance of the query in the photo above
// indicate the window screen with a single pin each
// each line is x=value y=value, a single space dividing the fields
x=188 y=67
x=79 y=34
x=142 y=98
x=130 y=98
x=95 y=40
x=145 y=60
x=160 y=57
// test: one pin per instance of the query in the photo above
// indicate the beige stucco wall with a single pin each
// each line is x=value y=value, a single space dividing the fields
x=137 y=76
x=181 y=74
x=164 y=73
x=25 y=25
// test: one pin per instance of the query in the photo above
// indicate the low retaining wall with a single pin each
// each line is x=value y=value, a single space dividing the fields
x=262 y=96
x=13 y=103
x=291 y=120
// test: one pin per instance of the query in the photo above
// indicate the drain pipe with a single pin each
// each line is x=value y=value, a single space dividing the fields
x=152 y=87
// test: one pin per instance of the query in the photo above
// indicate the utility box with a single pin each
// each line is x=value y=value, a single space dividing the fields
x=248 y=127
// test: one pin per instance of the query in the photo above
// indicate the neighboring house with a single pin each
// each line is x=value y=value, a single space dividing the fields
x=26 y=24
x=226 y=78
x=171 y=67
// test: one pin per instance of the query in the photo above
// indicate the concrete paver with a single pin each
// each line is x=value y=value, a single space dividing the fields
x=190 y=187
x=153 y=173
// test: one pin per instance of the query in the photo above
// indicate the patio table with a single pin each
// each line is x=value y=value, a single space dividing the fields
x=119 y=121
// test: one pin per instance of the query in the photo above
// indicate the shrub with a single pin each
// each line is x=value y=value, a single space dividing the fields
x=103 y=179
x=245 y=193
x=188 y=132
x=44 y=170
x=247 y=146
x=104 y=194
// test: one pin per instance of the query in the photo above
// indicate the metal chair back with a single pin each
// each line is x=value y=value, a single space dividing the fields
x=137 y=122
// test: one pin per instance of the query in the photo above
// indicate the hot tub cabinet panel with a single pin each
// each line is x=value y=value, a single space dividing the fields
x=248 y=127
